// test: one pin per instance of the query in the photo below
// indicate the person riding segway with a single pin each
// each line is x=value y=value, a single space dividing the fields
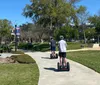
x=53 y=48
x=63 y=65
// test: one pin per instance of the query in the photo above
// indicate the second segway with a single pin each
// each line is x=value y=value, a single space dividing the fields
x=53 y=56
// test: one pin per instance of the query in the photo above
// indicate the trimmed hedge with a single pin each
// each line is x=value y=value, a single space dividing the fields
x=46 y=47
x=35 y=46
x=25 y=46
x=23 y=58
x=41 y=47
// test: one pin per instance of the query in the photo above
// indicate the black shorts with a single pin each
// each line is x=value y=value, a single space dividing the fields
x=62 y=54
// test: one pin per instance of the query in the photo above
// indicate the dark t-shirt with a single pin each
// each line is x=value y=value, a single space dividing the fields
x=53 y=43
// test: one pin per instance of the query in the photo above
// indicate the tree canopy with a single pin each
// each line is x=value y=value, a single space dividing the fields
x=52 y=13
x=5 y=29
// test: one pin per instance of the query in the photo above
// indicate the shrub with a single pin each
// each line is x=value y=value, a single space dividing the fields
x=41 y=47
x=26 y=46
x=22 y=46
x=5 y=48
x=23 y=58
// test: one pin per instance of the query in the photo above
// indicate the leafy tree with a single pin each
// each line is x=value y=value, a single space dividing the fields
x=27 y=29
x=68 y=32
x=51 y=13
x=75 y=34
x=90 y=33
x=54 y=14
x=95 y=21
x=83 y=18
x=33 y=32
x=5 y=29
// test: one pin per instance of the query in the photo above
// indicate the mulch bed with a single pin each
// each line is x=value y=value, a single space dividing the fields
x=7 y=60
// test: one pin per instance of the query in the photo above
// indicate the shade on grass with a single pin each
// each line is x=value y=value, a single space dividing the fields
x=90 y=59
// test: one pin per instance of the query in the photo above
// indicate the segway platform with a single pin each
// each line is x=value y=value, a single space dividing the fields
x=62 y=67
x=53 y=57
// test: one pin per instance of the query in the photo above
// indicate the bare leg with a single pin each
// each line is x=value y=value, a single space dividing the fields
x=54 y=53
x=65 y=61
x=60 y=60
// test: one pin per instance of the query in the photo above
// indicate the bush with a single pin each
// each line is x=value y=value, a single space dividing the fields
x=5 y=48
x=25 y=46
x=23 y=58
x=35 y=47
x=22 y=46
x=1 y=50
x=41 y=47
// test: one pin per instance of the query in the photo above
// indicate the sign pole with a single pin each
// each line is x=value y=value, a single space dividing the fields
x=15 y=38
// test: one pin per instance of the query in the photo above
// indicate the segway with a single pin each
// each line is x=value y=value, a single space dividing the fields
x=54 y=57
x=63 y=67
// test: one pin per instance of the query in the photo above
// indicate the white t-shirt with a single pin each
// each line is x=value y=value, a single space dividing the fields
x=62 y=46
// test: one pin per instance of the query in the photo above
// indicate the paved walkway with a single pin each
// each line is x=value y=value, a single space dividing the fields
x=4 y=55
x=78 y=75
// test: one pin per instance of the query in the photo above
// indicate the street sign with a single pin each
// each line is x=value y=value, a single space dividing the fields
x=17 y=31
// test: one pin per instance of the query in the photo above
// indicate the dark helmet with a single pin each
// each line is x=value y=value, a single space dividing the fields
x=51 y=37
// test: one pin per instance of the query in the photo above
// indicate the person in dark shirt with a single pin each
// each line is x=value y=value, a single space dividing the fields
x=53 y=46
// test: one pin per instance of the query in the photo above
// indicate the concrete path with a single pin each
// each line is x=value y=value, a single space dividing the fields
x=78 y=75
x=4 y=55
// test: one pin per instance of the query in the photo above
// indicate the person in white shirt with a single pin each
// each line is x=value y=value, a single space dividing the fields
x=62 y=49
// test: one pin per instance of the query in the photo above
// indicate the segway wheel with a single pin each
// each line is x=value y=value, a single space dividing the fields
x=58 y=66
x=56 y=55
x=68 y=66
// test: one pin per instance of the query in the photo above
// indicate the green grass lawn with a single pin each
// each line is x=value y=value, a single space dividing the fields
x=19 y=74
x=73 y=45
x=90 y=59
x=23 y=58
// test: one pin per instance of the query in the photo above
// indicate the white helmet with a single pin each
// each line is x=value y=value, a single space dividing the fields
x=61 y=37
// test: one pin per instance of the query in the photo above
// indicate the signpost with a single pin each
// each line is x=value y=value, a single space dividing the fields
x=17 y=33
x=15 y=39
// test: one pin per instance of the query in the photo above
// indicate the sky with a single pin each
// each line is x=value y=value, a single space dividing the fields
x=12 y=9
x=93 y=6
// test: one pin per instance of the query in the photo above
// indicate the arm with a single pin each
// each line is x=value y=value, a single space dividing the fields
x=66 y=45
x=58 y=46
